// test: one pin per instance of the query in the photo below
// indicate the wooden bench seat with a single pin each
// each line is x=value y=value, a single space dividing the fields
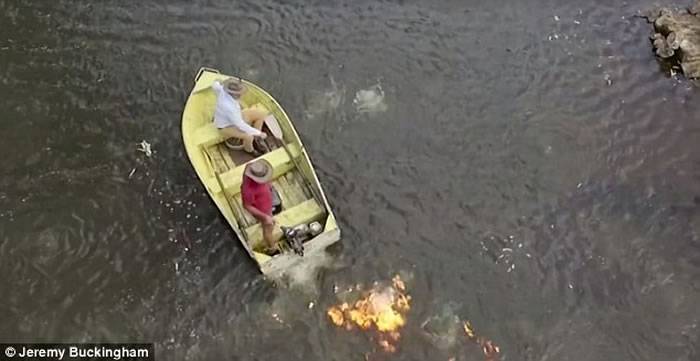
x=207 y=135
x=278 y=158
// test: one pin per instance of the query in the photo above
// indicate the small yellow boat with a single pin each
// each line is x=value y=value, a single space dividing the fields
x=303 y=202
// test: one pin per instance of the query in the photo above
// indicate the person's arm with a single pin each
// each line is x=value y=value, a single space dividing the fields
x=217 y=87
x=247 y=199
x=237 y=118
x=259 y=215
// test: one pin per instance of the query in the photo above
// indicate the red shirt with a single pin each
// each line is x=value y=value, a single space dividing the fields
x=257 y=195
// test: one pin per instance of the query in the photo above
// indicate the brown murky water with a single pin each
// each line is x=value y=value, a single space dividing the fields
x=530 y=167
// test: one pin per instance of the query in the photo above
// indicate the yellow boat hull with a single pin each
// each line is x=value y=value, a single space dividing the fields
x=221 y=172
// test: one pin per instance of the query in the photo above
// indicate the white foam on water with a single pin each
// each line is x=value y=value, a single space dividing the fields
x=444 y=328
x=298 y=296
x=323 y=102
x=251 y=73
x=370 y=100
x=302 y=276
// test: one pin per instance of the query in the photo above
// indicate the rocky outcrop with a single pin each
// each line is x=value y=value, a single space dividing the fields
x=677 y=37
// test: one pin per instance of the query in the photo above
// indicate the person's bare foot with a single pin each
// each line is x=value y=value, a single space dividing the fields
x=274 y=248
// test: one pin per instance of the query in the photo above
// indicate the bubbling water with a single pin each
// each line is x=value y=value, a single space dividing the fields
x=370 y=100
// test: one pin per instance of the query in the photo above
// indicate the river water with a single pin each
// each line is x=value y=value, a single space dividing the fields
x=527 y=165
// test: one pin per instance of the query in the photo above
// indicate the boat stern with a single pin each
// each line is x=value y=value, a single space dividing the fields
x=277 y=266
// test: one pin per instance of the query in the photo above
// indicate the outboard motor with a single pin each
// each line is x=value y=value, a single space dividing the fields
x=297 y=235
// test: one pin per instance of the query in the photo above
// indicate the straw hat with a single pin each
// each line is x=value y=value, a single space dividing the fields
x=260 y=171
x=234 y=86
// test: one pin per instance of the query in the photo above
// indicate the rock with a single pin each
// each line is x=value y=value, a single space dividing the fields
x=695 y=9
x=665 y=52
x=659 y=41
x=672 y=41
x=679 y=38
x=649 y=15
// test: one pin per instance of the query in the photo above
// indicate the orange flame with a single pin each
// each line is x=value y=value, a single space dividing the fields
x=491 y=351
x=381 y=309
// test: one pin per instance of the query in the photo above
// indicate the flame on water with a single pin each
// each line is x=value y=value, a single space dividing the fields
x=381 y=309
x=491 y=351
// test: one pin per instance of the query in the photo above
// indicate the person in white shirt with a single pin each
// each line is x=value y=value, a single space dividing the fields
x=245 y=125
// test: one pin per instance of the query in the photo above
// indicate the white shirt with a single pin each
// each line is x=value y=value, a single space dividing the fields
x=228 y=112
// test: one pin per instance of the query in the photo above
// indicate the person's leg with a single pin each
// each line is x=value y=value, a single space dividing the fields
x=255 y=117
x=233 y=132
x=267 y=235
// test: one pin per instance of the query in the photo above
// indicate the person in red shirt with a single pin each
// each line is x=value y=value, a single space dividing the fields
x=257 y=196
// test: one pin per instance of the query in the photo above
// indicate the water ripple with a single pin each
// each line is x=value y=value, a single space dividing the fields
x=533 y=163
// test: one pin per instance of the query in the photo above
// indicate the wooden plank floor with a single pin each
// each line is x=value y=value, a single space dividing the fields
x=292 y=190
x=291 y=186
x=291 y=193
